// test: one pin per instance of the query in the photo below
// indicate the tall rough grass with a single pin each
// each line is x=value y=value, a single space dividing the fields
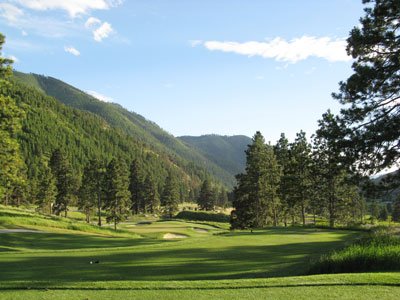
x=379 y=251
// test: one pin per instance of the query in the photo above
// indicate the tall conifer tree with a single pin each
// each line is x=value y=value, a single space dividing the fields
x=256 y=193
x=152 y=199
x=11 y=164
x=170 y=196
x=206 y=200
x=117 y=193
x=65 y=183
x=136 y=187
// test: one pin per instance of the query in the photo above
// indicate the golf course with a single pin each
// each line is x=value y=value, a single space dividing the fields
x=43 y=257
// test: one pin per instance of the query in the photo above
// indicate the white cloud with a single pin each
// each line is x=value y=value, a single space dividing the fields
x=103 y=31
x=100 y=96
x=281 y=50
x=259 y=78
x=10 y=12
x=195 y=43
x=73 y=7
x=72 y=50
x=24 y=33
x=91 y=22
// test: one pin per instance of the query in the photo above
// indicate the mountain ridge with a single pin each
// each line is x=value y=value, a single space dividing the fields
x=130 y=123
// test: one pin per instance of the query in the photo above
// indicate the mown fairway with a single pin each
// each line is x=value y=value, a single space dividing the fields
x=138 y=262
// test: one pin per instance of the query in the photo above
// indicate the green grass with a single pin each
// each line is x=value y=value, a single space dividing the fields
x=139 y=263
x=343 y=286
x=379 y=251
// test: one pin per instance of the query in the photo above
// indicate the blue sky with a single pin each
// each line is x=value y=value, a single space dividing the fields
x=193 y=67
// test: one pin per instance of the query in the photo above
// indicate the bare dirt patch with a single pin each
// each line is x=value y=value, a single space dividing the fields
x=174 y=236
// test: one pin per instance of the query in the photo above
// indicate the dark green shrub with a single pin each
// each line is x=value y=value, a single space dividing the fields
x=202 y=216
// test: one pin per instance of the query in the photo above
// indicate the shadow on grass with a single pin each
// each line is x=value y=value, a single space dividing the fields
x=177 y=262
x=61 y=241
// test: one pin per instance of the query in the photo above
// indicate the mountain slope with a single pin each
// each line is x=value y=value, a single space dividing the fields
x=225 y=151
x=50 y=124
x=129 y=123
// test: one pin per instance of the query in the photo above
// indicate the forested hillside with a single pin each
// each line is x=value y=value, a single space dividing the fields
x=128 y=123
x=225 y=151
x=49 y=124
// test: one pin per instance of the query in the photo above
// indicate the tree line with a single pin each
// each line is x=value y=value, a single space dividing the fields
x=325 y=178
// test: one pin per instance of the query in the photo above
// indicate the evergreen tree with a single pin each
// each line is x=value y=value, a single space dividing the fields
x=329 y=167
x=11 y=164
x=47 y=192
x=371 y=115
x=223 y=198
x=136 y=188
x=300 y=167
x=255 y=196
x=151 y=196
x=117 y=193
x=170 y=196
x=396 y=210
x=65 y=182
x=89 y=196
x=282 y=153
x=374 y=209
x=206 y=200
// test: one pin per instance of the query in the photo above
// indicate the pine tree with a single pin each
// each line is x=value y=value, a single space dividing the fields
x=151 y=196
x=329 y=167
x=255 y=196
x=206 y=200
x=117 y=193
x=170 y=196
x=47 y=192
x=89 y=196
x=223 y=198
x=11 y=163
x=370 y=96
x=300 y=173
x=65 y=182
x=136 y=188
x=282 y=153
x=374 y=209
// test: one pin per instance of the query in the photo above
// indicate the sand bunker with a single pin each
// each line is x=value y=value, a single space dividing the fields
x=200 y=230
x=18 y=230
x=174 y=236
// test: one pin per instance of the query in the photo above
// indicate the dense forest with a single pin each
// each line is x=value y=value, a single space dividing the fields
x=128 y=123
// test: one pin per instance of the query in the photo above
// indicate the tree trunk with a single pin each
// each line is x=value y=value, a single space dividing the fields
x=275 y=218
x=331 y=212
x=99 y=207
x=285 y=220
x=303 y=213
x=115 y=224
x=66 y=212
x=6 y=200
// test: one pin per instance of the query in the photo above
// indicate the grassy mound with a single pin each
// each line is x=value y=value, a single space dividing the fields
x=22 y=218
x=379 y=251
x=202 y=216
